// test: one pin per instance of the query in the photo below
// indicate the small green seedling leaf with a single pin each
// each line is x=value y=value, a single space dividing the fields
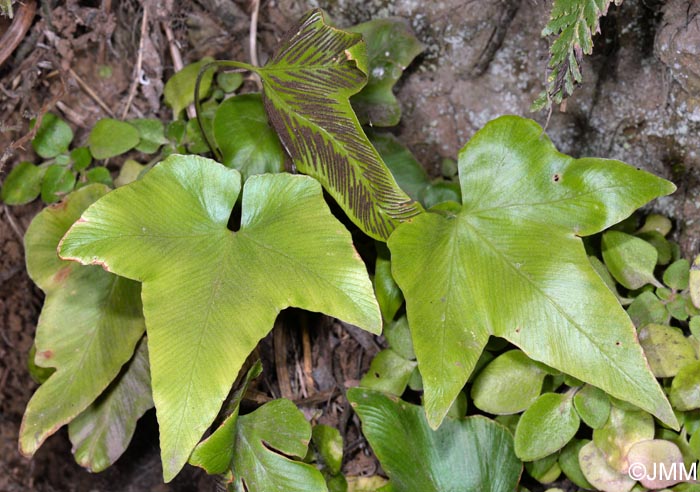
x=677 y=275
x=81 y=157
x=130 y=171
x=685 y=388
x=508 y=384
x=23 y=184
x=388 y=372
x=599 y=473
x=205 y=317
x=623 y=429
x=654 y=455
x=666 y=349
x=546 y=426
x=53 y=137
x=545 y=470
x=179 y=89
x=664 y=249
x=630 y=260
x=593 y=406
x=265 y=441
x=569 y=463
x=694 y=282
x=306 y=91
x=99 y=174
x=473 y=454
x=391 y=47
x=245 y=138
x=58 y=182
x=657 y=223
x=647 y=308
x=229 y=81
x=329 y=444
x=511 y=263
x=110 y=138
x=388 y=293
x=678 y=308
x=151 y=134
x=102 y=432
x=86 y=311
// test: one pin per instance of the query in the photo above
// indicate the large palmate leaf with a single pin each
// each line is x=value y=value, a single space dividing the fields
x=88 y=328
x=103 y=431
x=306 y=90
x=511 y=263
x=474 y=454
x=209 y=293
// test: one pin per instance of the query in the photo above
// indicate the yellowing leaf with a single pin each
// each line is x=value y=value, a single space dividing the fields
x=209 y=293
x=88 y=328
x=511 y=263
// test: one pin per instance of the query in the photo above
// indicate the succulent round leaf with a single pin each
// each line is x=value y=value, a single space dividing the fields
x=53 y=137
x=592 y=405
x=110 y=138
x=569 y=463
x=546 y=426
x=685 y=388
x=210 y=294
x=623 y=429
x=511 y=263
x=631 y=260
x=473 y=454
x=178 y=92
x=23 y=184
x=601 y=475
x=666 y=349
x=508 y=384
x=654 y=455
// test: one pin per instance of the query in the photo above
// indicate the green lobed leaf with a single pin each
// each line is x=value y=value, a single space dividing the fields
x=87 y=311
x=508 y=384
x=473 y=454
x=511 y=263
x=53 y=137
x=391 y=47
x=546 y=427
x=110 y=138
x=23 y=184
x=58 y=181
x=265 y=441
x=630 y=260
x=245 y=138
x=306 y=90
x=178 y=92
x=210 y=294
x=102 y=432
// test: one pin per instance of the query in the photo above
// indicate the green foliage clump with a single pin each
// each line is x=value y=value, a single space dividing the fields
x=499 y=287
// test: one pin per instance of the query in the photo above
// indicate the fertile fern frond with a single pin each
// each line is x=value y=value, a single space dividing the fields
x=574 y=22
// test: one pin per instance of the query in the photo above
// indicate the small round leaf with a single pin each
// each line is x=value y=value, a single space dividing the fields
x=23 y=184
x=593 y=406
x=685 y=388
x=110 y=138
x=53 y=137
x=546 y=426
x=666 y=349
x=630 y=260
x=58 y=181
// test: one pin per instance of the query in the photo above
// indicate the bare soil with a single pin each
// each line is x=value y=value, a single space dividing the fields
x=640 y=103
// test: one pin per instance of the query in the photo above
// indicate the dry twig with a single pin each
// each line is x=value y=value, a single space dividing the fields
x=139 y=61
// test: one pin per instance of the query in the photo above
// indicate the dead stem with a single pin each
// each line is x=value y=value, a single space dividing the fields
x=139 y=61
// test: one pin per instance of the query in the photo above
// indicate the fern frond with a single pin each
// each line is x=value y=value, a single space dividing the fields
x=574 y=22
